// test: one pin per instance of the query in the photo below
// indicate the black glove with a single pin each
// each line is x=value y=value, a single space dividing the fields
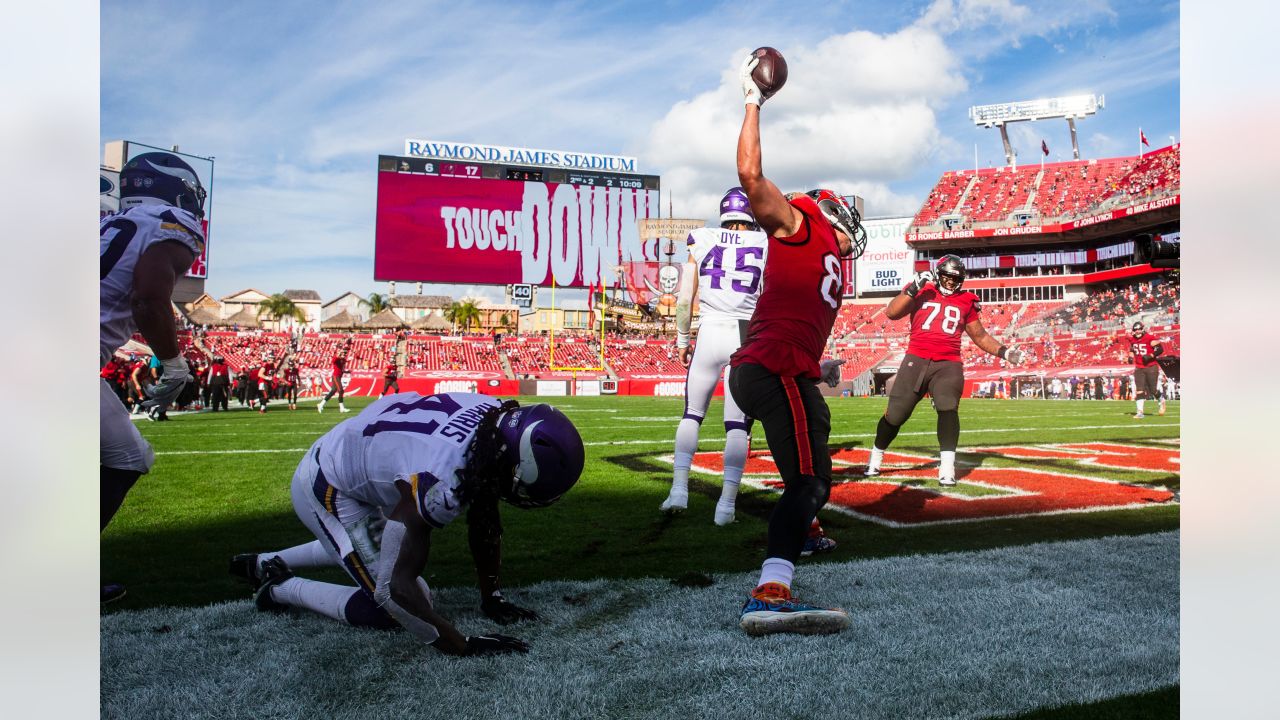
x=495 y=645
x=1148 y=359
x=496 y=608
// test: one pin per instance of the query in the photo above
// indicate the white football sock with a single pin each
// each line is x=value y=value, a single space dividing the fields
x=312 y=554
x=777 y=570
x=877 y=457
x=686 y=445
x=735 y=459
x=1141 y=403
x=947 y=464
x=324 y=598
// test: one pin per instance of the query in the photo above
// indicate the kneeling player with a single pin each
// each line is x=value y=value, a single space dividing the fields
x=419 y=462
x=939 y=312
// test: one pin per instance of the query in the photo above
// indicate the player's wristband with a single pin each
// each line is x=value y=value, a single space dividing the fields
x=1003 y=349
x=682 y=340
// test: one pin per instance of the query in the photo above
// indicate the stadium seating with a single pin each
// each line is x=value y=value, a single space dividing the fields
x=246 y=349
x=942 y=198
x=1065 y=190
x=431 y=352
x=643 y=358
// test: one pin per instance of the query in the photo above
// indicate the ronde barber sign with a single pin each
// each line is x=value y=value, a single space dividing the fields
x=887 y=263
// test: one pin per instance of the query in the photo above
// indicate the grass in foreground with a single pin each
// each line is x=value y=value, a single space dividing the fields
x=220 y=487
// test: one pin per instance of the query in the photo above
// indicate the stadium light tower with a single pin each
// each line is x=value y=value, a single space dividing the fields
x=1069 y=108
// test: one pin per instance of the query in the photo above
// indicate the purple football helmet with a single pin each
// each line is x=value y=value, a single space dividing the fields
x=735 y=207
x=546 y=451
x=164 y=177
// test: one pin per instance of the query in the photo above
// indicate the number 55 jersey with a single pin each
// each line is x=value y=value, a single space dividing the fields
x=938 y=320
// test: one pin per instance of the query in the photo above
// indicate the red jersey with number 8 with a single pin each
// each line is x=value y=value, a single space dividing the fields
x=803 y=288
x=938 y=320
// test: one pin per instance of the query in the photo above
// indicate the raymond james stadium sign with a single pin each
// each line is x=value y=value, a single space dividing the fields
x=518 y=156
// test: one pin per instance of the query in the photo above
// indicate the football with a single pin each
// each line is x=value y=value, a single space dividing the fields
x=771 y=74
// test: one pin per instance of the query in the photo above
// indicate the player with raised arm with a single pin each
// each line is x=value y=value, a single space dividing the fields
x=143 y=250
x=724 y=273
x=940 y=311
x=775 y=373
x=417 y=462
x=1145 y=348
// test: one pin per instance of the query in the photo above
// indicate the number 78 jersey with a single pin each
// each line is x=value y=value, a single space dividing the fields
x=730 y=270
x=938 y=320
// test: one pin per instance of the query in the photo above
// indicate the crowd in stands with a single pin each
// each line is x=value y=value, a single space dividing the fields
x=1059 y=191
x=1111 y=304
x=434 y=353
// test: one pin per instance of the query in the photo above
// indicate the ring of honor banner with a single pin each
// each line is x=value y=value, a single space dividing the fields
x=482 y=230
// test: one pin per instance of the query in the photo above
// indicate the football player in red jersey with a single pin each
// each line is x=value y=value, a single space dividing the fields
x=776 y=370
x=1145 y=348
x=339 y=369
x=266 y=378
x=390 y=378
x=292 y=379
x=939 y=311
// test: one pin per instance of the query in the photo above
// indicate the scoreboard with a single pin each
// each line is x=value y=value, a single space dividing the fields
x=454 y=221
x=523 y=173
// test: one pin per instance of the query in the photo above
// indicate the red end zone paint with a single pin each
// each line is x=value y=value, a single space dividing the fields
x=1111 y=455
x=1026 y=492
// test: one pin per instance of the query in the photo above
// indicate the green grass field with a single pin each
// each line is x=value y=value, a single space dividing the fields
x=220 y=487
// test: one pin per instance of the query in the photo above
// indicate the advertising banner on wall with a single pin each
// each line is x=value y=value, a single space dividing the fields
x=887 y=263
x=482 y=230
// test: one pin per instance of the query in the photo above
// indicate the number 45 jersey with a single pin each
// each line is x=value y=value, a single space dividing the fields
x=420 y=439
x=938 y=320
x=730 y=270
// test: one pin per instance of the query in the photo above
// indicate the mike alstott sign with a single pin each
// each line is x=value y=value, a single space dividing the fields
x=471 y=152
x=887 y=263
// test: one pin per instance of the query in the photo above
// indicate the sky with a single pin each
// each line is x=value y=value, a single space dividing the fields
x=296 y=100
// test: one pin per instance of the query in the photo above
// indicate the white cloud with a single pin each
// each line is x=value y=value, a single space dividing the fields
x=857 y=113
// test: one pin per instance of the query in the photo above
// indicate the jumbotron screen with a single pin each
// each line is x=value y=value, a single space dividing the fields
x=467 y=223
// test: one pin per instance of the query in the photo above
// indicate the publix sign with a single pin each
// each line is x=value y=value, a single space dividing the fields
x=887 y=263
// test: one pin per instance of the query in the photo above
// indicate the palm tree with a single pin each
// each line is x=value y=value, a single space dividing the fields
x=376 y=303
x=278 y=307
x=464 y=312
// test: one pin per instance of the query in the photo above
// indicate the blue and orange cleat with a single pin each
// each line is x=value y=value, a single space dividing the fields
x=771 y=609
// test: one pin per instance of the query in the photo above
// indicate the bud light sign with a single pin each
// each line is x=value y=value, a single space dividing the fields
x=887 y=263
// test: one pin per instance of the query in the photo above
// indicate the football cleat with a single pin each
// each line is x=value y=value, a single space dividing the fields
x=112 y=593
x=1138 y=416
x=871 y=472
x=245 y=566
x=274 y=572
x=771 y=609
x=817 y=544
x=947 y=480
x=675 y=502
x=320 y=407
x=724 y=514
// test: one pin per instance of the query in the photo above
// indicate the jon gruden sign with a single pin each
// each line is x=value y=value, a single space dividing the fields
x=490 y=231
x=887 y=263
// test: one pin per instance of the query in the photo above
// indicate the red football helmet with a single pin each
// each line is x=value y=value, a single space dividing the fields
x=842 y=217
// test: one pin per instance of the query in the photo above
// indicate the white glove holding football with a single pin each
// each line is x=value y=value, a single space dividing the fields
x=176 y=374
x=1013 y=356
x=750 y=91
x=830 y=372
x=917 y=282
